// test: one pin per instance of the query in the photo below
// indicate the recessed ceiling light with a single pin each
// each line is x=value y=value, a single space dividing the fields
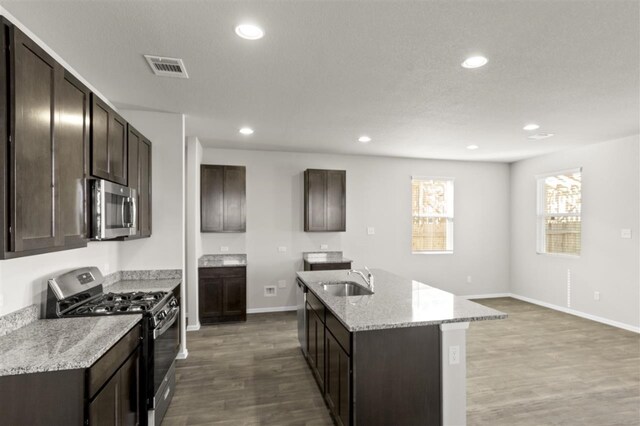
x=472 y=147
x=364 y=139
x=249 y=31
x=246 y=131
x=531 y=126
x=475 y=62
x=539 y=136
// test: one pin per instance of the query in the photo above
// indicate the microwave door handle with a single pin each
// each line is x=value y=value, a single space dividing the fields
x=124 y=200
x=134 y=212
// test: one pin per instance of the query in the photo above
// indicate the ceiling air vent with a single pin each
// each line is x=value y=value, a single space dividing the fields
x=167 y=67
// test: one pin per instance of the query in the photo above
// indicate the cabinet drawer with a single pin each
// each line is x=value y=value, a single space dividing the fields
x=330 y=266
x=103 y=369
x=222 y=272
x=338 y=330
x=316 y=305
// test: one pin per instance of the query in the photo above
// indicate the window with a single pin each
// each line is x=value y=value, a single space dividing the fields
x=432 y=210
x=559 y=208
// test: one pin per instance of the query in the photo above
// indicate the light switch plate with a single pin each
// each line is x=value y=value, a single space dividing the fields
x=371 y=230
x=224 y=248
x=282 y=249
x=625 y=233
x=324 y=246
x=282 y=283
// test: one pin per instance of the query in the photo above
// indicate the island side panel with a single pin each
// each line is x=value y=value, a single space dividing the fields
x=454 y=373
x=396 y=376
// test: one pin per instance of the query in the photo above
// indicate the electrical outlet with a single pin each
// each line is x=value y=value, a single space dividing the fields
x=454 y=355
x=371 y=230
x=625 y=233
x=468 y=279
x=224 y=248
x=282 y=283
x=270 y=291
x=324 y=246
x=596 y=295
x=282 y=249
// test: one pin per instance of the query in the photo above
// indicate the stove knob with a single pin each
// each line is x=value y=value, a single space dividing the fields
x=173 y=303
x=162 y=315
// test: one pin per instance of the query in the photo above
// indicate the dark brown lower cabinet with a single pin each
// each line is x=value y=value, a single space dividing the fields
x=315 y=346
x=309 y=266
x=222 y=294
x=107 y=393
x=119 y=401
x=338 y=380
x=375 y=377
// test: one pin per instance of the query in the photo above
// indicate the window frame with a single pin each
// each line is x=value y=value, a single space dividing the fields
x=541 y=216
x=450 y=218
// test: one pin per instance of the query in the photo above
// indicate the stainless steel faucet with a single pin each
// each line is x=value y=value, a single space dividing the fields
x=368 y=279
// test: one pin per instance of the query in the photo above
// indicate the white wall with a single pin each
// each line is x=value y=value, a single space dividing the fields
x=608 y=264
x=378 y=195
x=23 y=281
x=165 y=248
x=194 y=242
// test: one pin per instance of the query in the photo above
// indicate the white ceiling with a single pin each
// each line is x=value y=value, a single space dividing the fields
x=327 y=72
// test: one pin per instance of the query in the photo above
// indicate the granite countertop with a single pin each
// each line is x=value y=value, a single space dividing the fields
x=318 y=257
x=222 y=260
x=61 y=344
x=397 y=302
x=142 y=285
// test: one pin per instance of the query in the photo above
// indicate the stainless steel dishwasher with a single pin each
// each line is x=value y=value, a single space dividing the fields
x=301 y=301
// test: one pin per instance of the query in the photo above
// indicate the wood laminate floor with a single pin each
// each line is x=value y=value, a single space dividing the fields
x=538 y=367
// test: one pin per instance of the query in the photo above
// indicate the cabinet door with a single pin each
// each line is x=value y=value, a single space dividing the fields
x=210 y=298
x=211 y=198
x=33 y=173
x=144 y=191
x=234 y=296
x=315 y=336
x=234 y=195
x=315 y=200
x=72 y=158
x=100 y=113
x=103 y=410
x=336 y=212
x=117 y=148
x=133 y=146
x=129 y=404
x=337 y=380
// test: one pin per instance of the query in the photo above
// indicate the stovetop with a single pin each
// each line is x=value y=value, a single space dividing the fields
x=119 y=303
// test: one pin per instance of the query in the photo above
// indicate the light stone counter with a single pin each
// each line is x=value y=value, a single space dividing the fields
x=397 y=302
x=61 y=344
x=222 y=260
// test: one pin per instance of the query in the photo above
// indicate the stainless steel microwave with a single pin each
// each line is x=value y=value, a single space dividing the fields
x=114 y=210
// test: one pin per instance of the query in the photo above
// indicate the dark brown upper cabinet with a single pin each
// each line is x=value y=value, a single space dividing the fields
x=108 y=143
x=222 y=198
x=325 y=200
x=139 y=173
x=44 y=142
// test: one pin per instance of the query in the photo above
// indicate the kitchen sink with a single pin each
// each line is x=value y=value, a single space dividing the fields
x=345 y=288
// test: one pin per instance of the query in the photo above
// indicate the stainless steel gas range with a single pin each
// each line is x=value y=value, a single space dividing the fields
x=80 y=293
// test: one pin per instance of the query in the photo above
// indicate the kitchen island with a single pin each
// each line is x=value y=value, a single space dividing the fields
x=396 y=356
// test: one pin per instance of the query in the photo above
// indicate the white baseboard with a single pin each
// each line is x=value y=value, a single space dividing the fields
x=276 y=309
x=193 y=327
x=578 y=313
x=487 y=296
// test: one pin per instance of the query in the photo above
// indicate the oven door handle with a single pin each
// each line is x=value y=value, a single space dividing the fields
x=167 y=323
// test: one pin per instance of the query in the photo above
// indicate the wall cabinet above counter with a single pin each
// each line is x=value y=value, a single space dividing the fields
x=325 y=204
x=223 y=198
x=54 y=136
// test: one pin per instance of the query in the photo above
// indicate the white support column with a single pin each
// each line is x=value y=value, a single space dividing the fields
x=454 y=373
